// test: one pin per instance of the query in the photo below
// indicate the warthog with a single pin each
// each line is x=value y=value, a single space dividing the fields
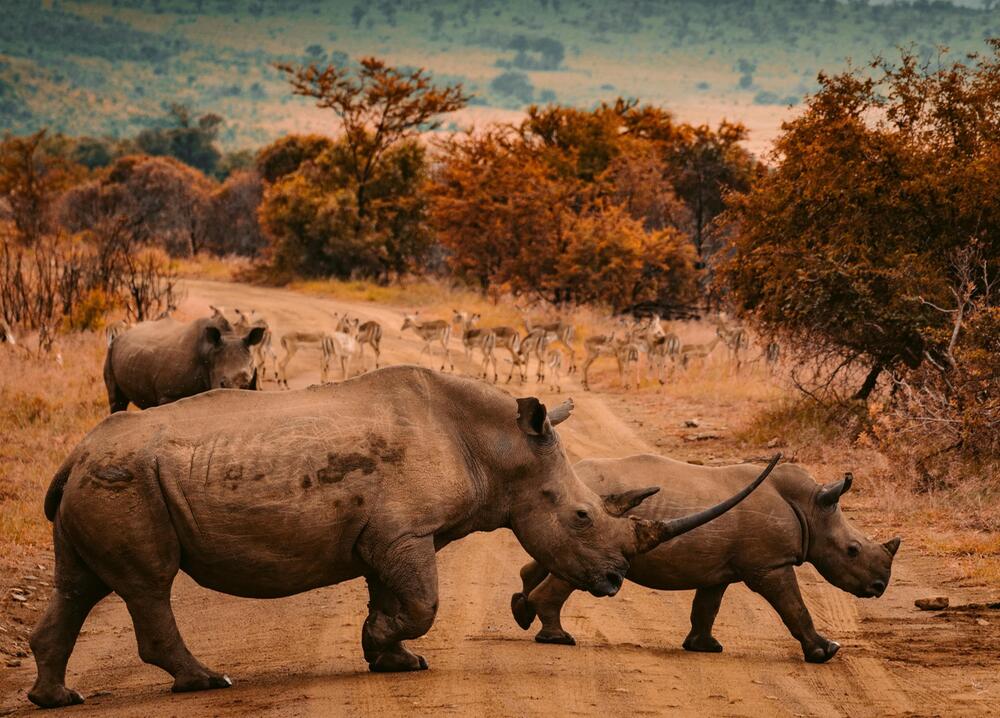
x=165 y=360
x=788 y=522
x=267 y=494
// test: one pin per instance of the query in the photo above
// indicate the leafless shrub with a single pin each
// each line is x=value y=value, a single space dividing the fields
x=944 y=416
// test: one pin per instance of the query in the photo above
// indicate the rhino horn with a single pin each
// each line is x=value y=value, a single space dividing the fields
x=620 y=504
x=892 y=545
x=830 y=494
x=650 y=534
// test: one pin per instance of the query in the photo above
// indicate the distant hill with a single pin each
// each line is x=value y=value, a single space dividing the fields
x=109 y=68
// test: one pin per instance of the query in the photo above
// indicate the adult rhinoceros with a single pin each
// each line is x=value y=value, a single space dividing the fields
x=161 y=361
x=790 y=521
x=270 y=494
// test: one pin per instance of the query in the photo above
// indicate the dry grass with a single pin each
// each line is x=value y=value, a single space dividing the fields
x=959 y=522
x=205 y=266
x=45 y=410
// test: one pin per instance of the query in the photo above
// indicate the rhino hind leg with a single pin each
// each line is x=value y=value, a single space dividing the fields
x=402 y=605
x=704 y=609
x=547 y=600
x=161 y=645
x=77 y=591
x=781 y=589
x=138 y=559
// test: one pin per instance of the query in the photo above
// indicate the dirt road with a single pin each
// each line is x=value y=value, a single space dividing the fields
x=301 y=656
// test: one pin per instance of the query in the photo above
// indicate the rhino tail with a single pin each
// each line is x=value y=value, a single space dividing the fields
x=54 y=495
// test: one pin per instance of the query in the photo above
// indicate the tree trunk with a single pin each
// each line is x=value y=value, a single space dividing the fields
x=870 y=381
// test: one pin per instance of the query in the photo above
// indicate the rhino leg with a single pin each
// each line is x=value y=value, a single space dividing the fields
x=77 y=590
x=532 y=574
x=402 y=604
x=704 y=609
x=161 y=645
x=137 y=556
x=781 y=589
x=548 y=600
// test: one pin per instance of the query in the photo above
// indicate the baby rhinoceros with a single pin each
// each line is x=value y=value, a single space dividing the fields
x=785 y=523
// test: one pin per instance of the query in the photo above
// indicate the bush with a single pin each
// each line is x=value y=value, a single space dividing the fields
x=90 y=311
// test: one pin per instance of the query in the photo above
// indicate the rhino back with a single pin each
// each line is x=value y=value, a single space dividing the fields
x=761 y=532
x=158 y=361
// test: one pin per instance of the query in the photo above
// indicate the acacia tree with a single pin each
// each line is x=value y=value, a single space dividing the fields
x=565 y=208
x=378 y=106
x=848 y=244
x=30 y=182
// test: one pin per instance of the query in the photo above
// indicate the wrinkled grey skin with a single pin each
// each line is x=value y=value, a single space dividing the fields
x=785 y=523
x=159 y=362
x=264 y=494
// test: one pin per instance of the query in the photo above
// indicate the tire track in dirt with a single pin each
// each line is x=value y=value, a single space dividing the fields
x=301 y=656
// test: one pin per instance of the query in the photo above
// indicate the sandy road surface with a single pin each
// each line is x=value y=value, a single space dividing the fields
x=301 y=656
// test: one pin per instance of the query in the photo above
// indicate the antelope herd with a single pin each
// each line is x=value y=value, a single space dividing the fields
x=634 y=344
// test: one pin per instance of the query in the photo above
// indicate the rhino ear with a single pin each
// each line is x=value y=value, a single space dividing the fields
x=830 y=494
x=892 y=545
x=620 y=504
x=213 y=335
x=561 y=412
x=532 y=418
x=254 y=336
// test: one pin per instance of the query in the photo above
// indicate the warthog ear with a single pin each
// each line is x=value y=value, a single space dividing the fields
x=532 y=418
x=830 y=494
x=892 y=545
x=561 y=412
x=213 y=335
x=621 y=504
x=254 y=336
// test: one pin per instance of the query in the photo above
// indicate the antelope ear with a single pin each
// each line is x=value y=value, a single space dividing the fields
x=621 y=504
x=532 y=418
x=561 y=412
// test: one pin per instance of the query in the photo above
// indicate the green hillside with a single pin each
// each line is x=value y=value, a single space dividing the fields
x=109 y=68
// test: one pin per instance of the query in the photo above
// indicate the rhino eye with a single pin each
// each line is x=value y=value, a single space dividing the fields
x=853 y=551
x=582 y=518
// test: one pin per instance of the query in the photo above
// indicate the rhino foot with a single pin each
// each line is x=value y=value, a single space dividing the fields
x=822 y=653
x=524 y=612
x=200 y=682
x=55 y=697
x=702 y=644
x=397 y=662
x=559 y=637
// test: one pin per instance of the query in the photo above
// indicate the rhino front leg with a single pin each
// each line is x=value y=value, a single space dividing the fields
x=403 y=601
x=548 y=600
x=781 y=589
x=532 y=574
x=704 y=609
